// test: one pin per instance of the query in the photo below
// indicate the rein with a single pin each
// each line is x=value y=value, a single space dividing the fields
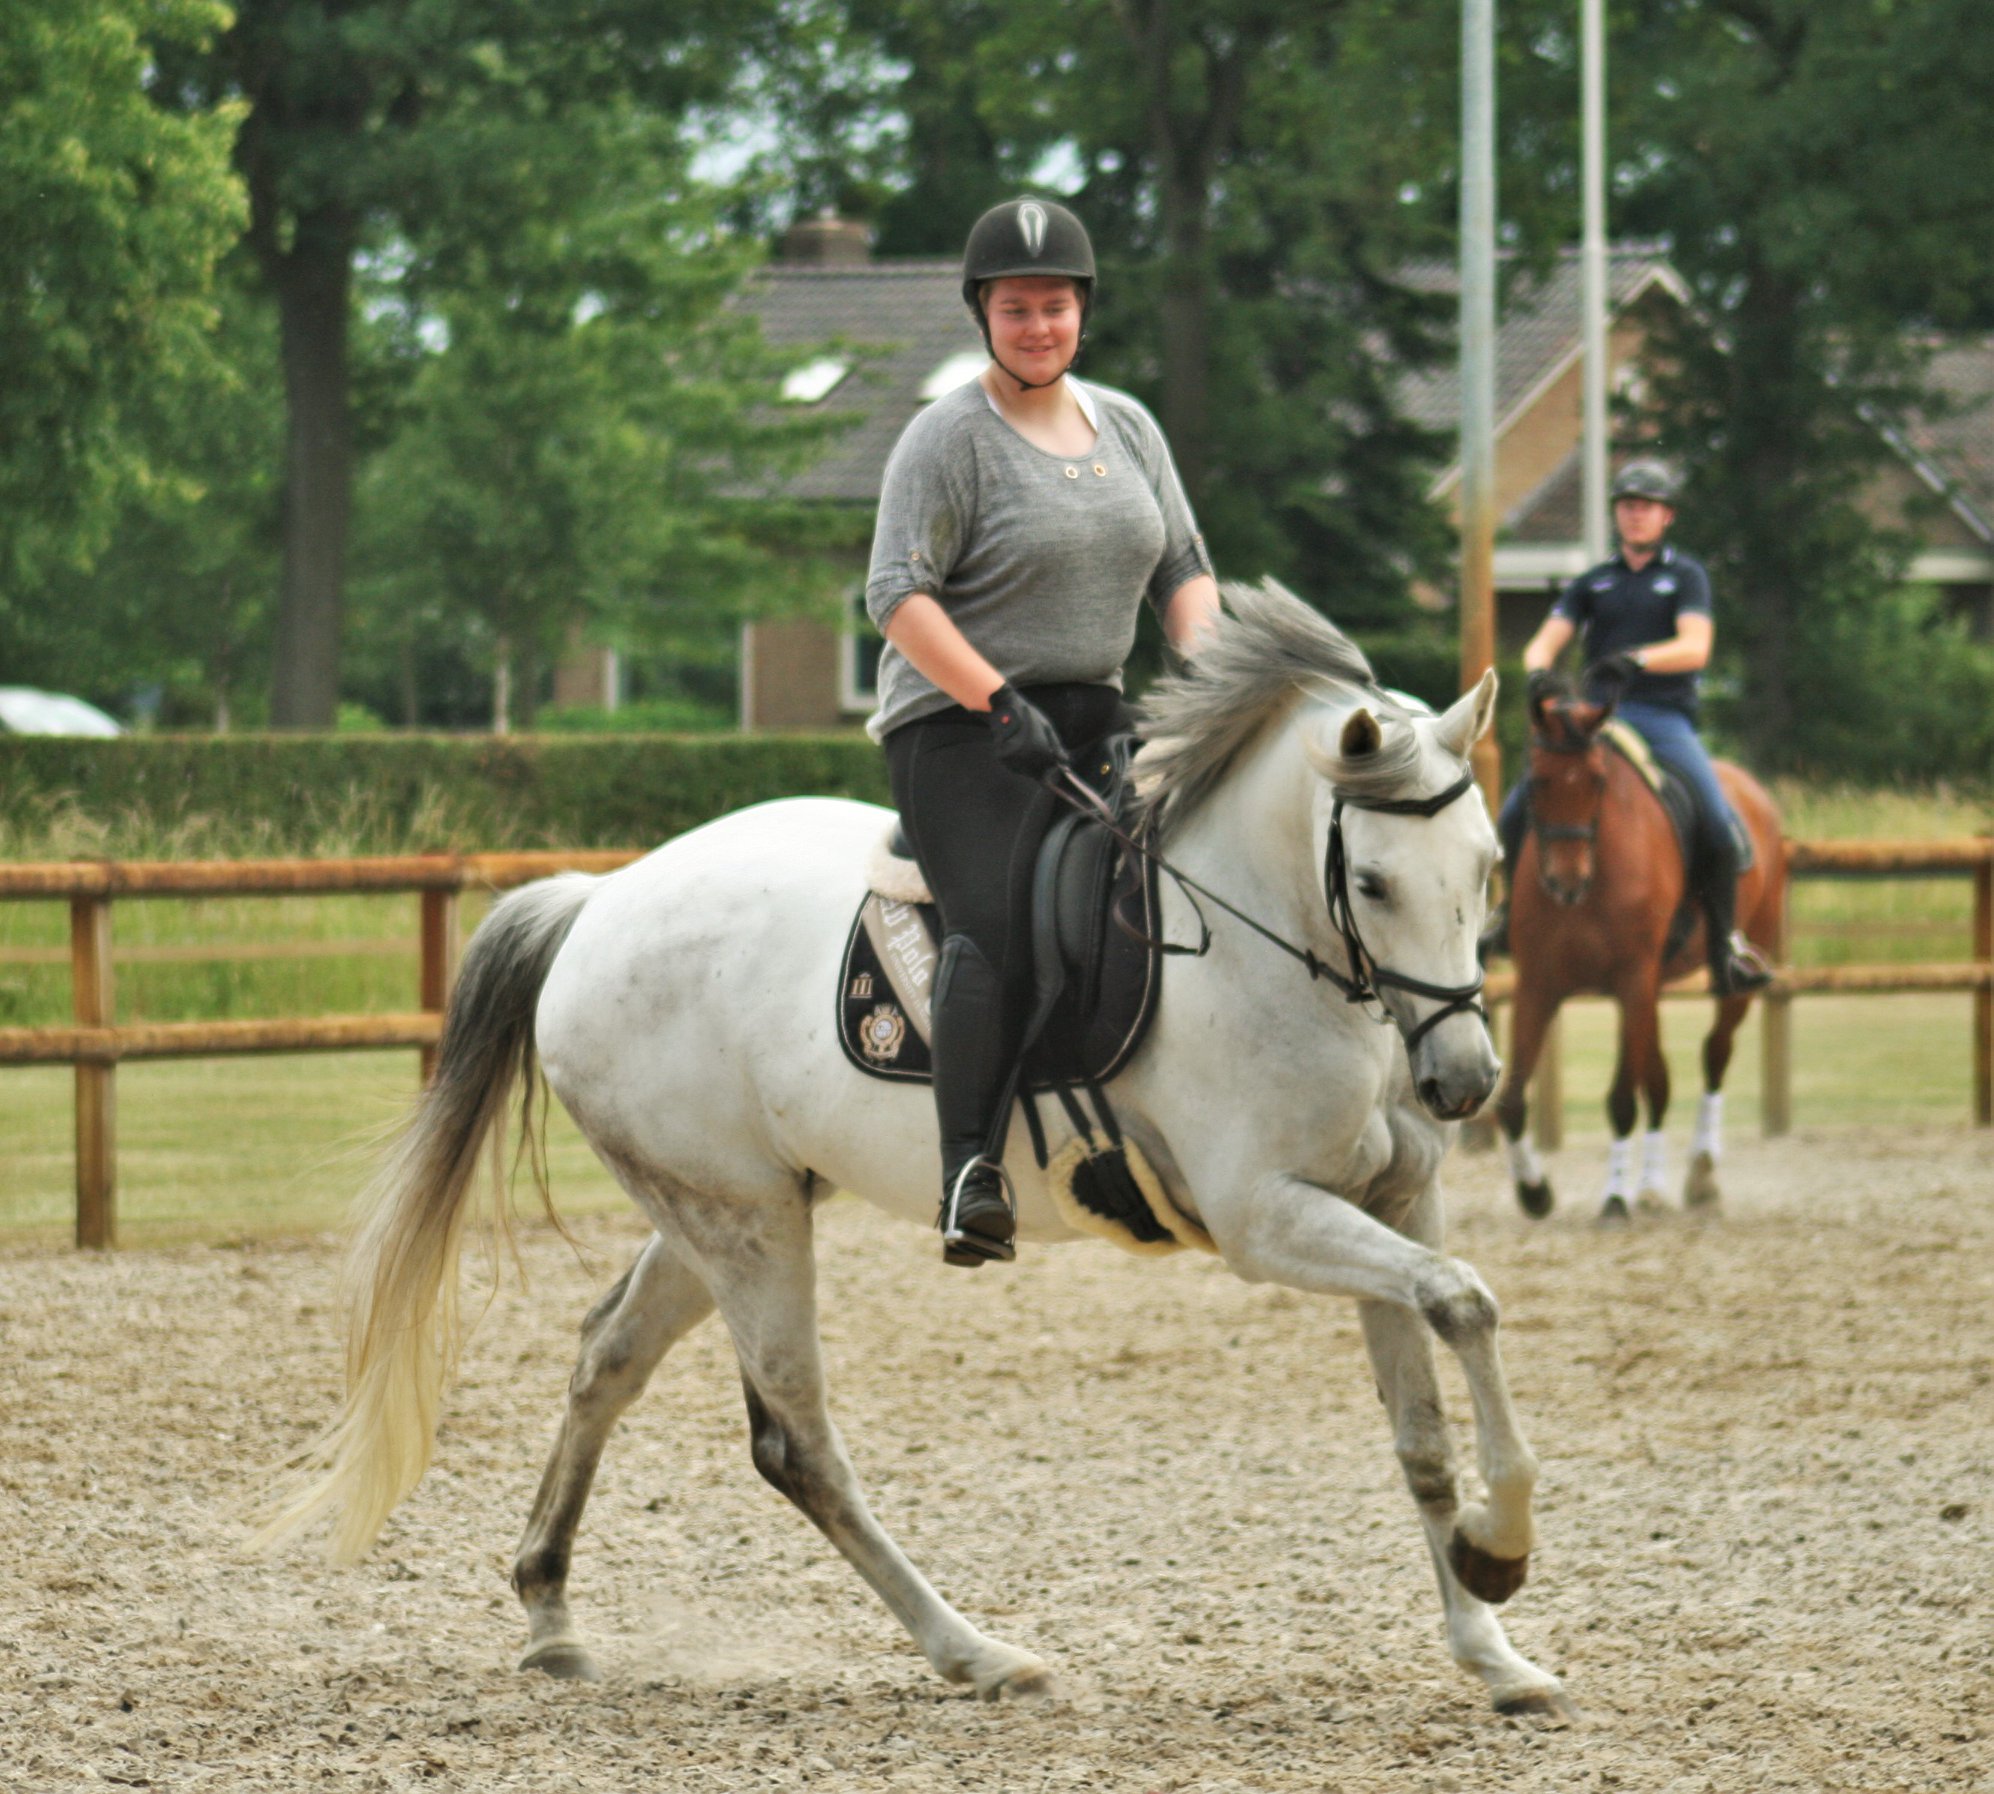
x=1367 y=979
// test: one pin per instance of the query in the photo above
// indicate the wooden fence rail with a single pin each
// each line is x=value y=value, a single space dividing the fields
x=96 y=1043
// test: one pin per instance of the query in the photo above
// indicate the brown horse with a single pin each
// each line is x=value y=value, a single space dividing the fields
x=1592 y=897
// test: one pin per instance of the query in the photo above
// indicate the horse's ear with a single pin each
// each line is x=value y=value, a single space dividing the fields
x=1361 y=735
x=1467 y=720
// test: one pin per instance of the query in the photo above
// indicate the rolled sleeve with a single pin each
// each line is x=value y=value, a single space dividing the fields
x=922 y=525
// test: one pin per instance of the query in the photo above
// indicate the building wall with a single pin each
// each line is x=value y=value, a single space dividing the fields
x=789 y=675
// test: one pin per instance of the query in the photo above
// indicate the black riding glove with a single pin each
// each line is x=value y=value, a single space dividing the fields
x=1541 y=686
x=1026 y=740
x=1611 y=672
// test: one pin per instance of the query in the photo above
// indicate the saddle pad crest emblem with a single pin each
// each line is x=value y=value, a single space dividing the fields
x=883 y=1033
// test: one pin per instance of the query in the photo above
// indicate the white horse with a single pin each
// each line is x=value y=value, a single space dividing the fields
x=682 y=1007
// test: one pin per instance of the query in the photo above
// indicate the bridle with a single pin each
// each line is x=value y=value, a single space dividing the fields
x=1587 y=831
x=1367 y=980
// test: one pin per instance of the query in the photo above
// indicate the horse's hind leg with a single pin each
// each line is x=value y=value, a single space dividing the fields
x=1701 y=1190
x=1401 y=1348
x=655 y=1303
x=761 y=1266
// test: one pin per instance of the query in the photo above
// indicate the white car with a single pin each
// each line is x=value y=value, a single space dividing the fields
x=25 y=711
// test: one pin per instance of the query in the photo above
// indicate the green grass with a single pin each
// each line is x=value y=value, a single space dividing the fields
x=222 y=1149
x=1857 y=1062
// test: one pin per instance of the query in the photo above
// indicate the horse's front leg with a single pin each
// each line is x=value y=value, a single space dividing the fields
x=1533 y=1012
x=1291 y=1232
x=1638 y=995
x=1401 y=1350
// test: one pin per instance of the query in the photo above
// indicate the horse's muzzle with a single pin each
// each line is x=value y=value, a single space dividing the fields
x=1455 y=1080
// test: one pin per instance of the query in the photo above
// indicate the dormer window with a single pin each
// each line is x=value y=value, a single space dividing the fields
x=958 y=370
x=813 y=381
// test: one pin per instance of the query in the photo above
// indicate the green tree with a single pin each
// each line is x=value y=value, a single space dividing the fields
x=114 y=214
x=178 y=599
x=1818 y=171
x=588 y=425
x=375 y=129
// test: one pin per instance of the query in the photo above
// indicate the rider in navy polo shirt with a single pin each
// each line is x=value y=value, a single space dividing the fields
x=1645 y=625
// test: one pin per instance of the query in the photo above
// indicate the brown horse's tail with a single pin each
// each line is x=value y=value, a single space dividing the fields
x=400 y=1286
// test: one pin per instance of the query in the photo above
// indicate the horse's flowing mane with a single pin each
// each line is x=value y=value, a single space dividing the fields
x=1266 y=651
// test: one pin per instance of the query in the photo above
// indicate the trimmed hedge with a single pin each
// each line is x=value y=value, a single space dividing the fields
x=403 y=793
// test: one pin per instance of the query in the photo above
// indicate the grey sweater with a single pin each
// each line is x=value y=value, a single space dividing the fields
x=1039 y=559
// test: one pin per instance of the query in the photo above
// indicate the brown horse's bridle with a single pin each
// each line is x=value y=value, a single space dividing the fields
x=1587 y=831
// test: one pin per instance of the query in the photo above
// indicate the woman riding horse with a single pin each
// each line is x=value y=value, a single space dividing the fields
x=1022 y=520
x=1646 y=628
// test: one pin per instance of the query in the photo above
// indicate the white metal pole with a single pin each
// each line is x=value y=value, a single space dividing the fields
x=1478 y=228
x=1592 y=256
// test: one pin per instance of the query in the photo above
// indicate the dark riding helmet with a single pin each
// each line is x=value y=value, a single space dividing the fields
x=1026 y=237
x=1022 y=238
x=1647 y=479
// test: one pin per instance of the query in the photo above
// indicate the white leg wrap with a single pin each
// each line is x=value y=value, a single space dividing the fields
x=1524 y=1164
x=1710 y=1125
x=1654 y=1160
x=1620 y=1169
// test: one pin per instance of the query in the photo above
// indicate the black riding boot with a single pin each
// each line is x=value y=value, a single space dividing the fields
x=1736 y=968
x=974 y=1048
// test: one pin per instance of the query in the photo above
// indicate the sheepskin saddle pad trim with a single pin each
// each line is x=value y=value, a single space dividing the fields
x=1076 y=1177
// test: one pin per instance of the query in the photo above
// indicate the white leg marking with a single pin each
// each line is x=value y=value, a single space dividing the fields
x=1620 y=1170
x=1654 y=1163
x=1710 y=1126
x=1524 y=1164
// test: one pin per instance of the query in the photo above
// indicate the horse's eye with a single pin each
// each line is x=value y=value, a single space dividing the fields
x=1371 y=887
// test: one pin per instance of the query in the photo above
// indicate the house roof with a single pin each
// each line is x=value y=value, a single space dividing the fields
x=901 y=319
x=1955 y=439
x=1539 y=330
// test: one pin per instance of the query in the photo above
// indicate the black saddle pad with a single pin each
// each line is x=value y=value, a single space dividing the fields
x=1087 y=899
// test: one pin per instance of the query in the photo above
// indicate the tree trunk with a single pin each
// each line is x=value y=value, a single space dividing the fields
x=313 y=283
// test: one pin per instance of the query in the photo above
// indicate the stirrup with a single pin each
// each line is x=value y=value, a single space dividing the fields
x=1744 y=969
x=965 y=1246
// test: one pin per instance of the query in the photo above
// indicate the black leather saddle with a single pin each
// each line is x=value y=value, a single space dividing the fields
x=1095 y=976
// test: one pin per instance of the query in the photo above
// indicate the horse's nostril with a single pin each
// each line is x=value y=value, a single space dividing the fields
x=1429 y=1093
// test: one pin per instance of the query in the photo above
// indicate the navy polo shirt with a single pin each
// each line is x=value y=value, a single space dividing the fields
x=1614 y=609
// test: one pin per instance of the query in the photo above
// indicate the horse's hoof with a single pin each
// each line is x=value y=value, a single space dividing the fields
x=1552 y=1705
x=1030 y=1680
x=1612 y=1212
x=1536 y=1199
x=1700 y=1191
x=1484 y=1575
x=1652 y=1202
x=562 y=1658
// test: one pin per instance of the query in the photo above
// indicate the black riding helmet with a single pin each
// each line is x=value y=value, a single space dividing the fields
x=1026 y=237
x=1647 y=479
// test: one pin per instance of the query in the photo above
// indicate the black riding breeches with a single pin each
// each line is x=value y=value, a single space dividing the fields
x=976 y=827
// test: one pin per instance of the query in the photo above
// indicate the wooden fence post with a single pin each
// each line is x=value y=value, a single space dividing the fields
x=1983 y=998
x=439 y=960
x=1776 y=1033
x=93 y=998
x=1547 y=1089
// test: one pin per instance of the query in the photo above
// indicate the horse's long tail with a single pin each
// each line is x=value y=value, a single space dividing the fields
x=400 y=1287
